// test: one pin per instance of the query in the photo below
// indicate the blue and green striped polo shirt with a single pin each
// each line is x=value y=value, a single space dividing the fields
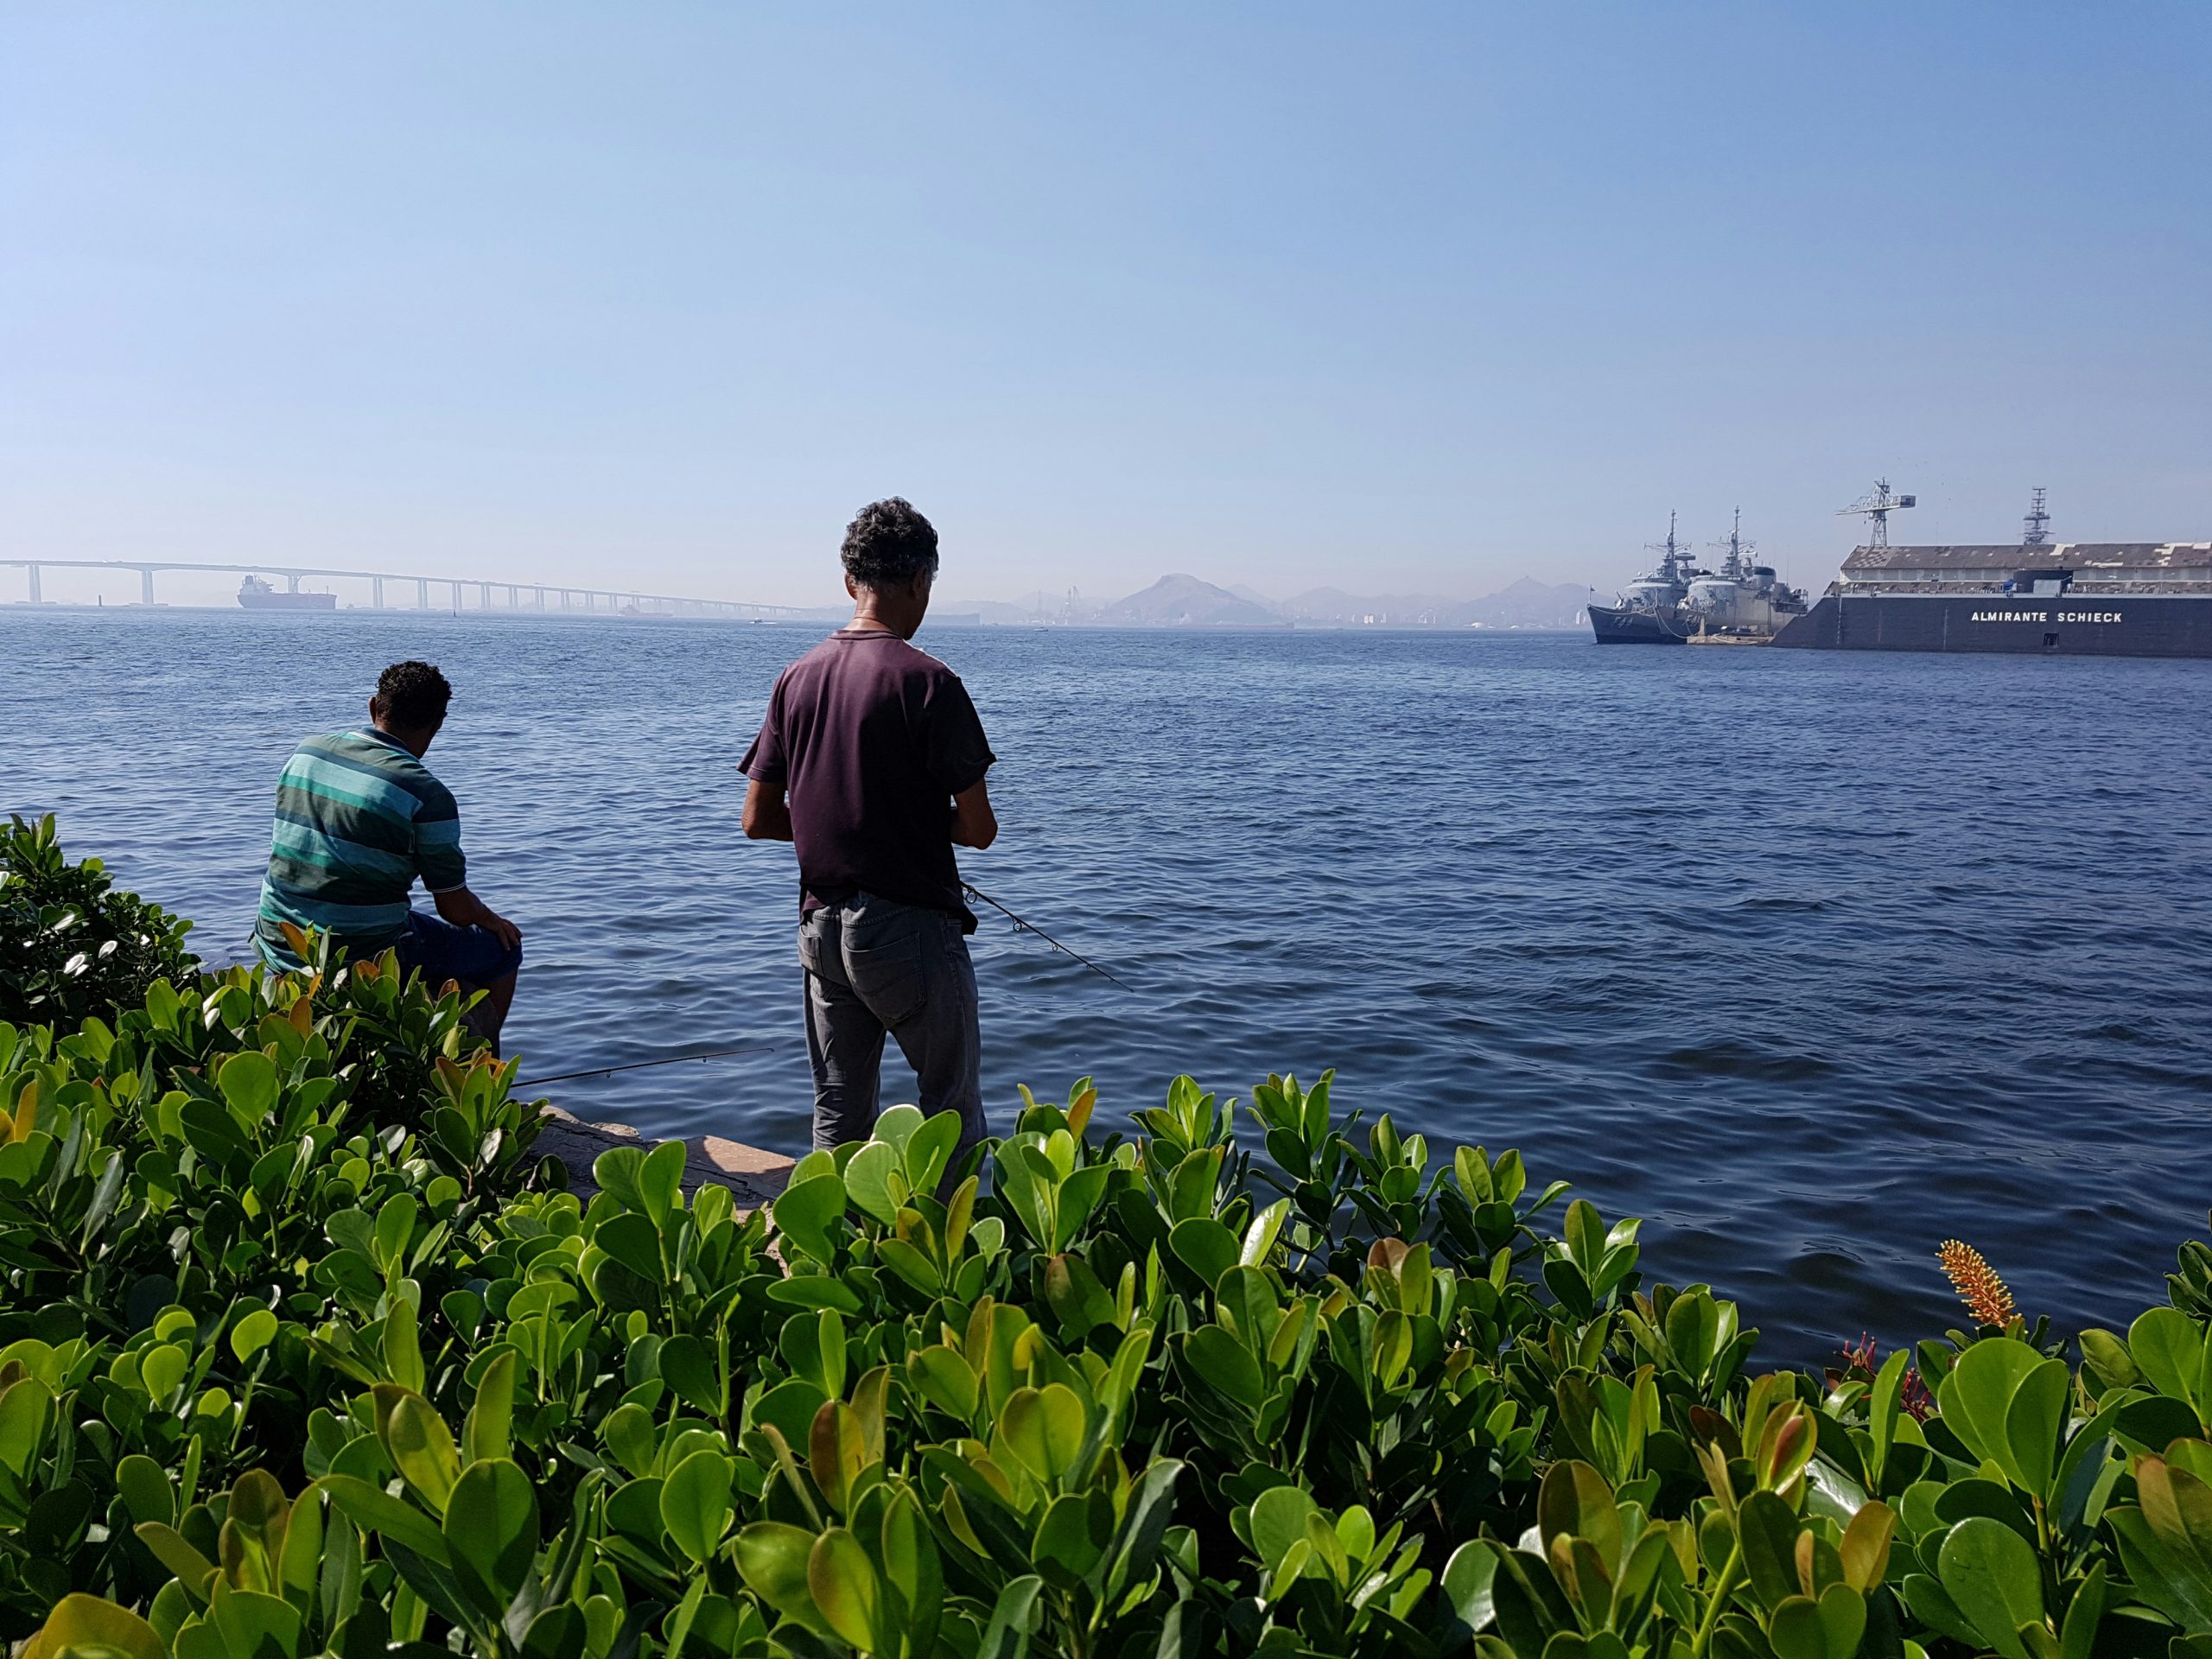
x=357 y=819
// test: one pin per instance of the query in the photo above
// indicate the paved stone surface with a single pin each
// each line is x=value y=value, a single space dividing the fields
x=753 y=1176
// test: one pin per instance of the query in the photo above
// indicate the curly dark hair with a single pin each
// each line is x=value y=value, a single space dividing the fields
x=889 y=543
x=412 y=696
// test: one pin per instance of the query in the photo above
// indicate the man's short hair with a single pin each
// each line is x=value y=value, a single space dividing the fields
x=412 y=696
x=889 y=543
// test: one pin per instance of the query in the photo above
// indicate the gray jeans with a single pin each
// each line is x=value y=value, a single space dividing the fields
x=874 y=966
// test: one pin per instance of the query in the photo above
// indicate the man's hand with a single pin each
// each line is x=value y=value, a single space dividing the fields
x=464 y=909
x=974 y=823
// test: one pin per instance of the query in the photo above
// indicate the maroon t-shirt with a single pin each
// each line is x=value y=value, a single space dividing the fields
x=871 y=740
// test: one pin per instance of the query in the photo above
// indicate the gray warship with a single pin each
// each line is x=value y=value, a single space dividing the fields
x=1743 y=603
x=1649 y=612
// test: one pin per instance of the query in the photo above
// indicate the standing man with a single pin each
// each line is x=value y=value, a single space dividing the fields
x=871 y=760
x=359 y=818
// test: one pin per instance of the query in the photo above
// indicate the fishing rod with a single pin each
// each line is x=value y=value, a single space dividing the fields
x=639 y=1065
x=1022 y=926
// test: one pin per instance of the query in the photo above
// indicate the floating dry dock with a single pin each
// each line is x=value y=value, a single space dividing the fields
x=2061 y=599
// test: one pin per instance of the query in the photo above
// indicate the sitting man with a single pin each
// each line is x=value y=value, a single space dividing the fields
x=359 y=818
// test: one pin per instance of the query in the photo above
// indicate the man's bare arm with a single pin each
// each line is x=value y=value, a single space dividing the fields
x=767 y=815
x=464 y=909
x=974 y=823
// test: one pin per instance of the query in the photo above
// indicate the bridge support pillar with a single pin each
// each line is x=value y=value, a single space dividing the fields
x=37 y=598
x=376 y=592
x=483 y=595
x=422 y=594
x=541 y=598
x=145 y=587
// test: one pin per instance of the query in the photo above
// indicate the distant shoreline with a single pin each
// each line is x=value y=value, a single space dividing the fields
x=320 y=618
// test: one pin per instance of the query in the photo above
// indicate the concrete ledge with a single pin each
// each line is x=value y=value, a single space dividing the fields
x=754 y=1177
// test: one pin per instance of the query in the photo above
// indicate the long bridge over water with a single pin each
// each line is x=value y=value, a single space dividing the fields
x=519 y=596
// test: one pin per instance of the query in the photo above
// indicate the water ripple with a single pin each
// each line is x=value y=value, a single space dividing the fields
x=1812 y=960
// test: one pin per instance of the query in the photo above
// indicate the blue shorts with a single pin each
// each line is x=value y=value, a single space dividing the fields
x=441 y=951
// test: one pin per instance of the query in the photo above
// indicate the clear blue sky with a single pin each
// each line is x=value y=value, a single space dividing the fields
x=1394 y=296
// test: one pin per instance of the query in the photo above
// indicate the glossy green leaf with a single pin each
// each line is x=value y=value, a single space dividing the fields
x=91 y=1626
x=1991 y=1574
x=815 y=1290
x=253 y=1333
x=1205 y=1246
x=772 y=1557
x=1865 y=1547
x=1071 y=1539
x=875 y=1180
x=1795 y=1629
x=632 y=1239
x=1466 y=1583
x=488 y=1431
x=929 y=1151
x=1574 y=1501
x=403 y=1349
x=376 y=1510
x=1976 y=1396
x=421 y=1448
x=688 y=1368
x=492 y=1532
x=2168 y=1348
x=940 y=1376
x=1279 y=1518
x=25 y=1407
x=844 y=1587
x=1225 y=1365
x=2083 y=1615
x=174 y=1552
x=1044 y=1427
x=1014 y=1617
x=660 y=1179
x=250 y=1085
x=1768 y=1528
x=905 y=1557
x=804 y=1211
x=146 y=1491
x=1843 y=1620
x=694 y=1504
x=628 y=1433
x=2033 y=1422
x=1260 y=1237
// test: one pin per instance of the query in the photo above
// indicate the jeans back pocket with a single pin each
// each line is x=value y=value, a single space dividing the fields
x=889 y=978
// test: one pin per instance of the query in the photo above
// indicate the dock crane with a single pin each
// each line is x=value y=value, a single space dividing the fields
x=1877 y=504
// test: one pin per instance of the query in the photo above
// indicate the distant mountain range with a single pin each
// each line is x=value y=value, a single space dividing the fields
x=1185 y=602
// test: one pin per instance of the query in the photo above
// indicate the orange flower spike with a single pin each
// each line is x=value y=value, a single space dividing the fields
x=1977 y=1283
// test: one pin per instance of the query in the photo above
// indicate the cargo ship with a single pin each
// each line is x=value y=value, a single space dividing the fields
x=2035 y=596
x=258 y=596
x=1650 y=608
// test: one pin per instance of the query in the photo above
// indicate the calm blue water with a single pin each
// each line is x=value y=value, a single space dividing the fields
x=1813 y=960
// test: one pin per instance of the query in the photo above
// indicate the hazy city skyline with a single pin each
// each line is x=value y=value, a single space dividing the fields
x=1423 y=299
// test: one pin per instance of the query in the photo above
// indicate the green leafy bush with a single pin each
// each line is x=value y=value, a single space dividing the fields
x=70 y=944
x=302 y=1355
